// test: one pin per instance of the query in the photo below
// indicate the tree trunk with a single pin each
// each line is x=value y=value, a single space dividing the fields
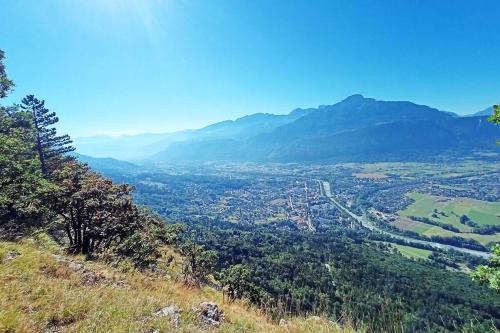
x=39 y=147
x=85 y=244
x=78 y=240
x=68 y=232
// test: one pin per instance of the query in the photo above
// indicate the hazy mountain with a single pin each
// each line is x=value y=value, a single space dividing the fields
x=248 y=126
x=356 y=128
x=108 y=166
x=126 y=147
x=137 y=147
x=485 y=112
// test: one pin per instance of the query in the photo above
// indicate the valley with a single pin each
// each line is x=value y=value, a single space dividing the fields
x=300 y=227
x=415 y=204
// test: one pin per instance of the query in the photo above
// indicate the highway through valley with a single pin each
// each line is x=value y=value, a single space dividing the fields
x=366 y=223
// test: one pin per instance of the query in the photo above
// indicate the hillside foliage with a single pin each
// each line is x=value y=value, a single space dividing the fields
x=43 y=187
x=495 y=117
x=490 y=274
x=339 y=274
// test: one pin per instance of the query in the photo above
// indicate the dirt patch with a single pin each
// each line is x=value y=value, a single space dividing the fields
x=407 y=224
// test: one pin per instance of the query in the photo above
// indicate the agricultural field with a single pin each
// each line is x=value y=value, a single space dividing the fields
x=430 y=230
x=408 y=251
x=448 y=211
x=412 y=170
x=412 y=252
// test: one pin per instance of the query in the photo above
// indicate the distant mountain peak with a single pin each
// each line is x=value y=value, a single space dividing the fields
x=354 y=98
x=485 y=112
x=297 y=113
x=357 y=128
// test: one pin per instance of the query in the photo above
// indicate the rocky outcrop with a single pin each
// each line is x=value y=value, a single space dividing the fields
x=172 y=311
x=210 y=314
x=11 y=255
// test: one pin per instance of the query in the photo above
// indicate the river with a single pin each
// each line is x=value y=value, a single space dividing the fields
x=365 y=222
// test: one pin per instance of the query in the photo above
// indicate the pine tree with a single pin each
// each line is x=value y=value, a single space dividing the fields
x=51 y=148
x=21 y=183
x=5 y=84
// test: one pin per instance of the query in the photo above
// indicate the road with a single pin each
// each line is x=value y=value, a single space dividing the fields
x=365 y=222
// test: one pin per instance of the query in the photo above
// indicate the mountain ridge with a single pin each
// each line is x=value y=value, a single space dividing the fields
x=148 y=144
x=295 y=136
x=354 y=129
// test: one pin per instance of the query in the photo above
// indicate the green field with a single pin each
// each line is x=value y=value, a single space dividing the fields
x=417 y=170
x=412 y=252
x=429 y=230
x=408 y=251
x=483 y=239
x=481 y=212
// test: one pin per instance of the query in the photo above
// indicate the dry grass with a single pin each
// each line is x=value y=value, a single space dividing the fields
x=40 y=292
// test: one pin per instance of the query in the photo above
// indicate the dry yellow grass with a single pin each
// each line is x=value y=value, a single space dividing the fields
x=40 y=292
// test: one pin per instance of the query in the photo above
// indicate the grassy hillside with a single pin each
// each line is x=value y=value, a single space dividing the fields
x=42 y=290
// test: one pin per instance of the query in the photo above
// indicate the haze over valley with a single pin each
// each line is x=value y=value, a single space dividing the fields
x=355 y=129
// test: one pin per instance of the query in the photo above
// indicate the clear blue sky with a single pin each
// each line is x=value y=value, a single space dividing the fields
x=113 y=66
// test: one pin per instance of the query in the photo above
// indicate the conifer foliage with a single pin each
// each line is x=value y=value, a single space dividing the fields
x=5 y=84
x=51 y=147
x=21 y=183
x=42 y=188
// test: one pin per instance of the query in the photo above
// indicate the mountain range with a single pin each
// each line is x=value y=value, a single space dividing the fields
x=485 y=112
x=355 y=129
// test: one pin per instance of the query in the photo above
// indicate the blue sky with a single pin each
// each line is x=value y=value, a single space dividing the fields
x=128 y=66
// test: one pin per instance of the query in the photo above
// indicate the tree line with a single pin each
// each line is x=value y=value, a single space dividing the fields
x=343 y=276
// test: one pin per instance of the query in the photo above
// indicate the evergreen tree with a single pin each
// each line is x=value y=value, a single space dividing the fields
x=5 y=84
x=51 y=148
x=21 y=183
